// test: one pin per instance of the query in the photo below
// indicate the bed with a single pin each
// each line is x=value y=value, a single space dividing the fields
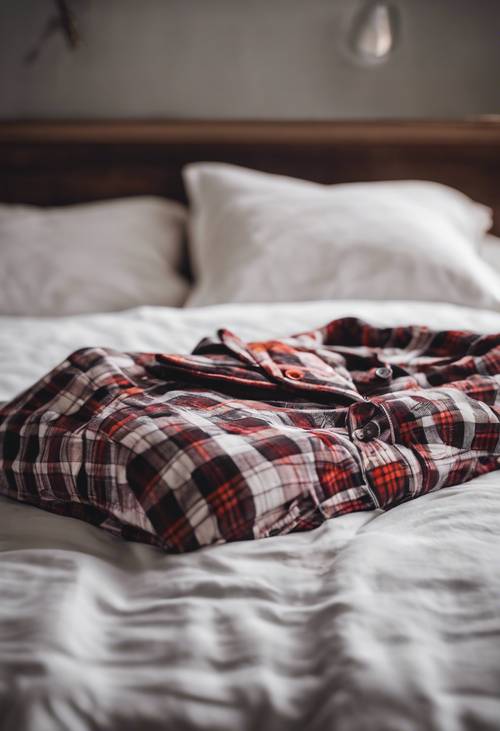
x=379 y=620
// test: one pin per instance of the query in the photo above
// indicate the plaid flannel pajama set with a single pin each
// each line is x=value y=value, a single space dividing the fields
x=246 y=440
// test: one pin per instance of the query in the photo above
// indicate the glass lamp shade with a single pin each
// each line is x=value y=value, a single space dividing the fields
x=374 y=32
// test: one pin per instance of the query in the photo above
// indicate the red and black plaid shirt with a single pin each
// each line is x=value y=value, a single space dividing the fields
x=245 y=440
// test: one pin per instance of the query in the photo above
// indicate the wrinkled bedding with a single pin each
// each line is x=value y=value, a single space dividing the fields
x=372 y=621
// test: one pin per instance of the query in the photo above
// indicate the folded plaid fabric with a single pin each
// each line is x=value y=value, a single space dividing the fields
x=245 y=440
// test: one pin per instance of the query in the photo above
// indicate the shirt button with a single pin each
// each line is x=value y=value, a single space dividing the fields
x=368 y=432
x=385 y=372
x=294 y=374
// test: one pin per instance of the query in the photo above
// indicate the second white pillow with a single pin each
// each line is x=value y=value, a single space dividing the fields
x=257 y=237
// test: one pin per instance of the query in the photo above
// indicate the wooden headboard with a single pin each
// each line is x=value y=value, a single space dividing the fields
x=50 y=163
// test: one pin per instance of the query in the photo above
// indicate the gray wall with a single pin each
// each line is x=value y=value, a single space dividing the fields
x=248 y=58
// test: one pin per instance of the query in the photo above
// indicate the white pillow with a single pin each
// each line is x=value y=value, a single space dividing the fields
x=260 y=237
x=93 y=257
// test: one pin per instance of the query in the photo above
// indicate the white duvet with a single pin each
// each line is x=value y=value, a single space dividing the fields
x=385 y=621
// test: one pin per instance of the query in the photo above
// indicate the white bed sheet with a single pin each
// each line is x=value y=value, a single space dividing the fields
x=373 y=621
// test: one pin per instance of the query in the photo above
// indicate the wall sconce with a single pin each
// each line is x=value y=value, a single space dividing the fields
x=374 y=32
